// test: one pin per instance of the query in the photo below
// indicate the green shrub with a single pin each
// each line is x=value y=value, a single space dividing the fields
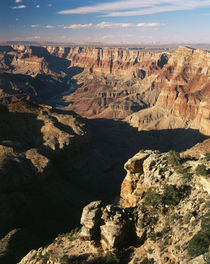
x=201 y=170
x=174 y=158
x=207 y=156
x=187 y=177
x=205 y=224
x=152 y=236
x=141 y=150
x=171 y=195
x=112 y=257
x=200 y=242
x=181 y=169
x=145 y=261
x=152 y=198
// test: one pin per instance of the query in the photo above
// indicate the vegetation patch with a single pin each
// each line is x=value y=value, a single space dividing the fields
x=171 y=195
x=152 y=198
x=207 y=156
x=174 y=158
x=200 y=242
x=201 y=170
x=186 y=175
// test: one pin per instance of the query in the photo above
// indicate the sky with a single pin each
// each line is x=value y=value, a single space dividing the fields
x=109 y=21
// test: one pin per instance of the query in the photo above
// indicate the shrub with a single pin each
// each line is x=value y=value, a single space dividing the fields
x=207 y=156
x=174 y=158
x=152 y=198
x=141 y=150
x=181 y=169
x=187 y=177
x=112 y=257
x=152 y=236
x=145 y=261
x=171 y=195
x=200 y=242
x=201 y=170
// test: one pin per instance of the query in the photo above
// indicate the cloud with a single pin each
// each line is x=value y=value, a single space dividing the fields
x=18 y=1
x=111 y=25
x=18 y=7
x=35 y=26
x=137 y=7
x=37 y=6
x=150 y=25
x=50 y=5
x=49 y=26
x=114 y=25
x=79 y=26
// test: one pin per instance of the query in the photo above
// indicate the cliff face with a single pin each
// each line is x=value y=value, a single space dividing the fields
x=185 y=93
x=160 y=213
x=30 y=138
x=162 y=90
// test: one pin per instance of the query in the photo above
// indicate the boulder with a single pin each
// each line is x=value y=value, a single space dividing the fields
x=91 y=220
x=117 y=228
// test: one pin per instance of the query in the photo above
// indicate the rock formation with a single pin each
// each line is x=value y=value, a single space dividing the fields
x=32 y=141
x=184 y=97
x=167 y=211
x=150 y=89
x=91 y=220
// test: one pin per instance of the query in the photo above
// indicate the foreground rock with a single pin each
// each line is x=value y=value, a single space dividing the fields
x=160 y=227
x=91 y=221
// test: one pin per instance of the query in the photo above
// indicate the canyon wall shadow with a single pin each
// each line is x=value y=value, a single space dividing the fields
x=55 y=205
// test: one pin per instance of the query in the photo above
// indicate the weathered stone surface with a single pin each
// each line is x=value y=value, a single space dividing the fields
x=116 y=229
x=160 y=234
x=39 y=161
x=198 y=260
x=91 y=220
x=134 y=168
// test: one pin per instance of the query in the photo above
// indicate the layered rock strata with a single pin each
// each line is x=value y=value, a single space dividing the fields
x=163 y=90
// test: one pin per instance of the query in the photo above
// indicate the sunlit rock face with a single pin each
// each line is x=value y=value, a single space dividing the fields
x=150 y=89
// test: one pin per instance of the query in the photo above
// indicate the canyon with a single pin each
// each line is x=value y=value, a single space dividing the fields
x=145 y=88
x=71 y=117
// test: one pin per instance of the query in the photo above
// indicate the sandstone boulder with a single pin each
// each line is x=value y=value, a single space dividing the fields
x=117 y=227
x=134 y=168
x=91 y=220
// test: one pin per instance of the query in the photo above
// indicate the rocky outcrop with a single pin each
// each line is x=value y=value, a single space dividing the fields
x=184 y=97
x=157 y=228
x=129 y=189
x=91 y=221
x=111 y=225
x=118 y=228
